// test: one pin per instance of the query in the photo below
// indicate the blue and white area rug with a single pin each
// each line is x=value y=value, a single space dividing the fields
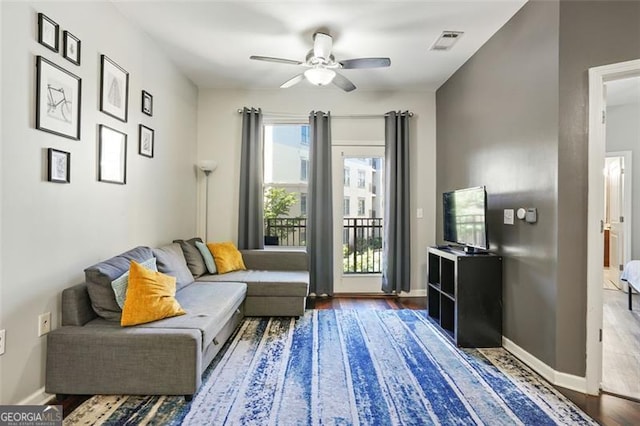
x=363 y=367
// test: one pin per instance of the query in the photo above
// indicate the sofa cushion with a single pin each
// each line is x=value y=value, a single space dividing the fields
x=267 y=283
x=100 y=275
x=227 y=257
x=208 y=257
x=208 y=305
x=150 y=297
x=192 y=255
x=120 y=284
x=171 y=261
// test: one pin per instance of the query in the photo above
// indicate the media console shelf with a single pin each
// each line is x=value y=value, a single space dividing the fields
x=464 y=296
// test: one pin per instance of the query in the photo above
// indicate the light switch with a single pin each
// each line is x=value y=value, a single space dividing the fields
x=508 y=216
x=419 y=213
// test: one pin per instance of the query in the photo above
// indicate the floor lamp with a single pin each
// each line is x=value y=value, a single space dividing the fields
x=207 y=166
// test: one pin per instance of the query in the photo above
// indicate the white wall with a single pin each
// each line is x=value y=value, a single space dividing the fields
x=623 y=134
x=219 y=135
x=51 y=232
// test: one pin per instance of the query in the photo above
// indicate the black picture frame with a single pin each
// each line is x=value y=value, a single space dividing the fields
x=147 y=103
x=59 y=166
x=58 y=100
x=114 y=89
x=48 y=32
x=146 y=141
x=112 y=155
x=71 y=47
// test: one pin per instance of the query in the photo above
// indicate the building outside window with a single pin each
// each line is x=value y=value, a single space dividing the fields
x=304 y=169
x=304 y=135
x=361 y=206
x=346 y=207
x=303 y=203
x=347 y=177
x=361 y=179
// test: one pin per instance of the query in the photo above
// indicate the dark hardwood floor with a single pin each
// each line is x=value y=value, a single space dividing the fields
x=605 y=409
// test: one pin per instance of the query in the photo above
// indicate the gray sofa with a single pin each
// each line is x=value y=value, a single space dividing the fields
x=92 y=354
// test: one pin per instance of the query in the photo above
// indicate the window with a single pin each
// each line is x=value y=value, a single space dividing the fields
x=304 y=135
x=303 y=203
x=360 y=206
x=361 y=179
x=304 y=169
x=346 y=207
x=347 y=177
x=286 y=172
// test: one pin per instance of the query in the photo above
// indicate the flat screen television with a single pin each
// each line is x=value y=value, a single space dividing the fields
x=465 y=218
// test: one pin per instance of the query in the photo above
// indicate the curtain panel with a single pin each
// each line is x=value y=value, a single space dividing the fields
x=251 y=208
x=320 y=200
x=396 y=247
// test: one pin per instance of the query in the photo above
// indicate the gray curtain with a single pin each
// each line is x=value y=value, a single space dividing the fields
x=320 y=216
x=396 y=247
x=251 y=209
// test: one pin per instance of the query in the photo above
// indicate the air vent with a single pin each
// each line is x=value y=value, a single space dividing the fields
x=446 y=40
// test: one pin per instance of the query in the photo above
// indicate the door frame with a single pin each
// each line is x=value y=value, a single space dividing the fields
x=627 y=193
x=359 y=283
x=598 y=76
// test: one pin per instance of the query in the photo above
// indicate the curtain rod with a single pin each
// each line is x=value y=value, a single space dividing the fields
x=290 y=115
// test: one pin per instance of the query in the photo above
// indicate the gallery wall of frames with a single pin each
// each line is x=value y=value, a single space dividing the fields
x=58 y=110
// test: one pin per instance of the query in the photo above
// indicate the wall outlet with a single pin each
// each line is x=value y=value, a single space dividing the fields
x=44 y=323
x=419 y=213
x=2 y=341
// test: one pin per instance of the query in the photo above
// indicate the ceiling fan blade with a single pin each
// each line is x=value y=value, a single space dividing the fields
x=365 y=63
x=293 y=81
x=322 y=45
x=278 y=60
x=344 y=83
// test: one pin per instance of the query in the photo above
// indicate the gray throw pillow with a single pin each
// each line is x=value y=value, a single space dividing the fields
x=192 y=255
x=100 y=275
x=170 y=260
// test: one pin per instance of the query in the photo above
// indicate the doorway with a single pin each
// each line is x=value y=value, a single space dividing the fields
x=598 y=78
x=358 y=182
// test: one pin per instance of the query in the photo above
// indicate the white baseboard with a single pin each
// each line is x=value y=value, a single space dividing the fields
x=558 y=378
x=415 y=293
x=39 y=397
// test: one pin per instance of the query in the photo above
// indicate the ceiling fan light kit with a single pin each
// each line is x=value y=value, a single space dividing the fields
x=319 y=76
x=322 y=63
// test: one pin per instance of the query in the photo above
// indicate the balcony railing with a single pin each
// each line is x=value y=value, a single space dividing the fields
x=361 y=241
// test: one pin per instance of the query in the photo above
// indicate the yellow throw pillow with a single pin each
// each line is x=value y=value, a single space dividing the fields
x=227 y=257
x=150 y=297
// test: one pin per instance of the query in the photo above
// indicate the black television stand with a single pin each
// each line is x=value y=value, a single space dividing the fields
x=464 y=296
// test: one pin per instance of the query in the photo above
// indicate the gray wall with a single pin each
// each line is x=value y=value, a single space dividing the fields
x=623 y=134
x=514 y=118
x=591 y=34
x=497 y=126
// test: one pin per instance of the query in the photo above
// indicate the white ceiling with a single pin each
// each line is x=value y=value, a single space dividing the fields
x=211 y=41
x=623 y=92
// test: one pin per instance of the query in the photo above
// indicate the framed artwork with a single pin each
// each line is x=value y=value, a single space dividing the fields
x=48 y=32
x=71 y=47
x=59 y=168
x=112 y=156
x=114 y=89
x=146 y=141
x=58 y=94
x=147 y=103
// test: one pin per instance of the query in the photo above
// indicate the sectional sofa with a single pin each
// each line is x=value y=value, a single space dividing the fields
x=91 y=353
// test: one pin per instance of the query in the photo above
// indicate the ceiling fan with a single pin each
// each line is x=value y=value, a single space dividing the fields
x=322 y=65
